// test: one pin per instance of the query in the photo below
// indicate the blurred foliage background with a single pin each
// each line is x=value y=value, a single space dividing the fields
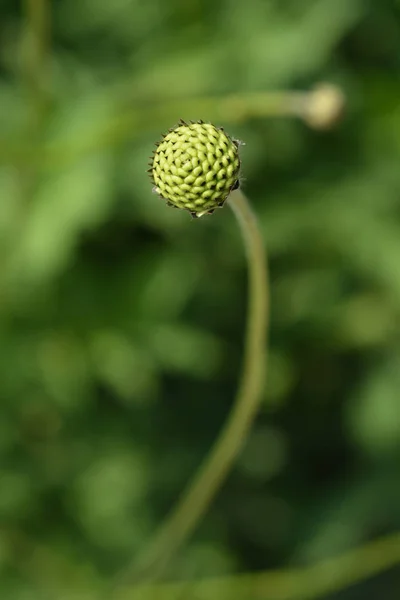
x=122 y=320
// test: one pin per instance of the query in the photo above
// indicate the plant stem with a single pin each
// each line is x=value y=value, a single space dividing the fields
x=326 y=577
x=201 y=491
x=35 y=50
x=34 y=60
x=317 y=107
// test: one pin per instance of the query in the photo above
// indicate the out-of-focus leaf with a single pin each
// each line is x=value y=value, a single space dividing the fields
x=67 y=204
x=374 y=414
x=128 y=371
x=185 y=349
x=107 y=499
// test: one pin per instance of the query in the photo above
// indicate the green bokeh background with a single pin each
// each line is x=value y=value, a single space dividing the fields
x=122 y=319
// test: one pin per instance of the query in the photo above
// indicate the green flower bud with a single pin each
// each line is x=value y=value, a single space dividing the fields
x=195 y=167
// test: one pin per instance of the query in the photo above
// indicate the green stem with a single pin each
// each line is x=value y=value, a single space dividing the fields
x=201 y=491
x=35 y=60
x=307 y=583
x=311 y=106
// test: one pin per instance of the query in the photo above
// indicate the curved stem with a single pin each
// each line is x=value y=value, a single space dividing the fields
x=200 y=492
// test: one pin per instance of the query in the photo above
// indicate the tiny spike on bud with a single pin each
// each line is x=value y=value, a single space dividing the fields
x=235 y=185
x=171 y=167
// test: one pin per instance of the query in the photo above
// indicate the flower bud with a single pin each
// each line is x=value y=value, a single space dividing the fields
x=325 y=107
x=195 y=166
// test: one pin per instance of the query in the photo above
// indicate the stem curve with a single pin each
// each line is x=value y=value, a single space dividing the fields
x=201 y=490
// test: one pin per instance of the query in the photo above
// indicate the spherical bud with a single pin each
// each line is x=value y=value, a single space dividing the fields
x=195 y=167
x=325 y=106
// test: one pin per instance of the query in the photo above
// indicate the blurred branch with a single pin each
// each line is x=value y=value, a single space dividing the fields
x=34 y=49
x=35 y=55
x=52 y=574
x=309 y=583
x=320 y=108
